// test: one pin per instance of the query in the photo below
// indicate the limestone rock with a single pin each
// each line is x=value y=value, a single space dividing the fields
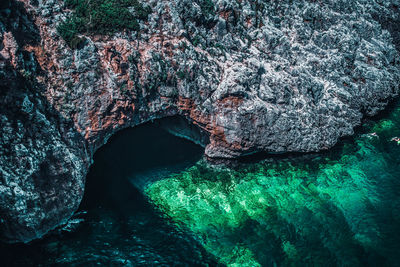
x=250 y=76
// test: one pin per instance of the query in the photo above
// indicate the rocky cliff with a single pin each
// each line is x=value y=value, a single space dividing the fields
x=250 y=76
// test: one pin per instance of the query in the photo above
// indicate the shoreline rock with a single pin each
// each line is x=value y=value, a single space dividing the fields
x=292 y=76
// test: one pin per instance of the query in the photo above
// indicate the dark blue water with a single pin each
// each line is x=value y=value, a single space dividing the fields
x=116 y=224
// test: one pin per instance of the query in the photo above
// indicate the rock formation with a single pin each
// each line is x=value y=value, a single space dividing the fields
x=272 y=76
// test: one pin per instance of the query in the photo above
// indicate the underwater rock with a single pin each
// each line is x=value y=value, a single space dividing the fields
x=287 y=76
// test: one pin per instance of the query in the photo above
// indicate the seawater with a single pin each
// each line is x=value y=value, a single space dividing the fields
x=151 y=200
x=340 y=208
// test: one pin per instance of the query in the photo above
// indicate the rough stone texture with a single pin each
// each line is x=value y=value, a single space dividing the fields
x=275 y=76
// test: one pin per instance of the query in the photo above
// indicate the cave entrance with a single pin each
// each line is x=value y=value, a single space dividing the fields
x=116 y=224
x=137 y=156
x=120 y=224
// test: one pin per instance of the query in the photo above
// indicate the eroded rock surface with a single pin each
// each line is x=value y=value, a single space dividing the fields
x=275 y=76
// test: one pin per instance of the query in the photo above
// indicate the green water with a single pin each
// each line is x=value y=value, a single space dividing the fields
x=150 y=200
x=340 y=208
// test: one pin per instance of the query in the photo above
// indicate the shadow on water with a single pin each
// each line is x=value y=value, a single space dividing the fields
x=119 y=225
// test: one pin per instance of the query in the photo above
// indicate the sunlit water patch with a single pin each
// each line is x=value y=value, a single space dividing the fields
x=340 y=208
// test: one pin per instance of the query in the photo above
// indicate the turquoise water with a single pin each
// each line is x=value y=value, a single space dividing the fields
x=152 y=200
x=340 y=208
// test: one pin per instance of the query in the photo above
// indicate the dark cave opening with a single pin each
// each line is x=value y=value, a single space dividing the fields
x=136 y=156
x=116 y=224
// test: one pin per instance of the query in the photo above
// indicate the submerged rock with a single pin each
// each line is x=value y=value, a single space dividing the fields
x=285 y=76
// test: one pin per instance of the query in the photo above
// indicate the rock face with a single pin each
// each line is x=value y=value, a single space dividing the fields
x=275 y=76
